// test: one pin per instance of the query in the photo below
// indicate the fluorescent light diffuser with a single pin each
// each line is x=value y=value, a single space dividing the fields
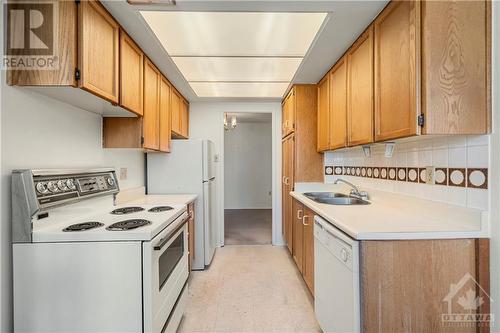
x=237 y=69
x=246 y=89
x=234 y=33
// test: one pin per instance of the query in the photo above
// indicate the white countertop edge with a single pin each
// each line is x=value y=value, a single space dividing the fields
x=359 y=235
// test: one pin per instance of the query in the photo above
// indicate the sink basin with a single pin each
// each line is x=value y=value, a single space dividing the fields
x=332 y=198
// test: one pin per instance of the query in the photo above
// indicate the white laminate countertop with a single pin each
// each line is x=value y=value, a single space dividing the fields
x=392 y=216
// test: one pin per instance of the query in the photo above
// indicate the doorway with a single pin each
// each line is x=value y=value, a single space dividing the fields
x=247 y=178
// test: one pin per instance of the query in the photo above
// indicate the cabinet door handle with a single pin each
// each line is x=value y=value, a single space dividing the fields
x=304 y=219
x=300 y=214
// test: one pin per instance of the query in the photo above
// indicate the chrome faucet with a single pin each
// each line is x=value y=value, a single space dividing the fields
x=355 y=192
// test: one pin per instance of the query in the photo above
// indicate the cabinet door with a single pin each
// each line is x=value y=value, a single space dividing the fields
x=308 y=273
x=98 y=36
x=151 y=123
x=165 y=114
x=287 y=187
x=396 y=67
x=360 y=90
x=288 y=114
x=175 y=107
x=338 y=105
x=297 y=232
x=456 y=67
x=184 y=118
x=323 y=113
x=131 y=75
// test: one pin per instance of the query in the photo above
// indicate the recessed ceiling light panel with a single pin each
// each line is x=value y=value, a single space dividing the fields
x=234 y=33
x=237 y=68
x=245 y=90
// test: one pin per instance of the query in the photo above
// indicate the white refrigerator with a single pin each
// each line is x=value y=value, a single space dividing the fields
x=189 y=168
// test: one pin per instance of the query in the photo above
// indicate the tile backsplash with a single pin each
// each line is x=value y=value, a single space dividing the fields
x=460 y=169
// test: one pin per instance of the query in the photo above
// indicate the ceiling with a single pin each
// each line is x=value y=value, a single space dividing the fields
x=288 y=42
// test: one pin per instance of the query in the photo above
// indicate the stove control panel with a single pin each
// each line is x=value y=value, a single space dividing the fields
x=56 y=189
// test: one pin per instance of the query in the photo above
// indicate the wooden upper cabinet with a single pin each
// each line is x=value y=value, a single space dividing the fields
x=396 y=70
x=456 y=67
x=338 y=106
x=175 y=107
x=323 y=113
x=184 y=118
x=98 y=39
x=131 y=75
x=288 y=114
x=165 y=115
x=360 y=90
x=66 y=52
x=151 y=119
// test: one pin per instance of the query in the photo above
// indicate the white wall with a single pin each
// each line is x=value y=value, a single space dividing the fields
x=248 y=166
x=206 y=122
x=39 y=132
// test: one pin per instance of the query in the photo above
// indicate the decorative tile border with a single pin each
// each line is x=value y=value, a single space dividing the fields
x=458 y=177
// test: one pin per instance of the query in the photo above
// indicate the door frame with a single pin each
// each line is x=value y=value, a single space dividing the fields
x=275 y=110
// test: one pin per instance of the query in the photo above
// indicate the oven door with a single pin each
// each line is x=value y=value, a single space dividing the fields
x=165 y=272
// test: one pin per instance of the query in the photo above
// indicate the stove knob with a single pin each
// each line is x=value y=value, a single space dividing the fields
x=70 y=184
x=41 y=187
x=52 y=187
x=61 y=184
x=110 y=181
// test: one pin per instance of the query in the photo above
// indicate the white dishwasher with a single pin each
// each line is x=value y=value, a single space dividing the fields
x=336 y=279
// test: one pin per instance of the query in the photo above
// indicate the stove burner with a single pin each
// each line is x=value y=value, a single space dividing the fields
x=126 y=210
x=83 y=226
x=159 y=209
x=128 y=224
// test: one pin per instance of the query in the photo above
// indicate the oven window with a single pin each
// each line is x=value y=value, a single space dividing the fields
x=169 y=259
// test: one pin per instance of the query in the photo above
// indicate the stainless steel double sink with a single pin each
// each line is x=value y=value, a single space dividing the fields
x=333 y=198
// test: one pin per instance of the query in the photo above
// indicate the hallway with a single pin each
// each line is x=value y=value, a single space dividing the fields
x=248 y=226
x=249 y=289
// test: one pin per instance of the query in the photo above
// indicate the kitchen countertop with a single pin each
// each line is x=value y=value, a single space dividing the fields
x=167 y=199
x=392 y=216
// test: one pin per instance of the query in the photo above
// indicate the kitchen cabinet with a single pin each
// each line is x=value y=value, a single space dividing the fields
x=131 y=75
x=98 y=39
x=396 y=66
x=421 y=68
x=360 y=90
x=180 y=116
x=165 y=115
x=308 y=248
x=288 y=164
x=150 y=132
x=298 y=235
x=400 y=288
x=324 y=114
x=337 y=129
x=191 y=235
x=288 y=114
x=151 y=118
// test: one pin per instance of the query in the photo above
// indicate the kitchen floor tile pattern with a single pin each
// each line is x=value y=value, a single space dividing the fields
x=249 y=289
x=247 y=226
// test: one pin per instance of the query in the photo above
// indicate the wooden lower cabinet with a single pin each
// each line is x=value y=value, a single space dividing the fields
x=407 y=285
x=191 y=239
x=303 y=242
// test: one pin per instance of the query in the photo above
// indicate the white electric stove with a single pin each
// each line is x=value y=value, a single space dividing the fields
x=82 y=264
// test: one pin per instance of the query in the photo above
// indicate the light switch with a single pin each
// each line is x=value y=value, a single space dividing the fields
x=123 y=173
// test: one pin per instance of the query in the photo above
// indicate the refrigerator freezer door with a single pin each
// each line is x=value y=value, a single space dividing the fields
x=208 y=160
x=209 y=220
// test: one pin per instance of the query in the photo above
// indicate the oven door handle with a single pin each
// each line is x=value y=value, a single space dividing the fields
x=165 y=240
